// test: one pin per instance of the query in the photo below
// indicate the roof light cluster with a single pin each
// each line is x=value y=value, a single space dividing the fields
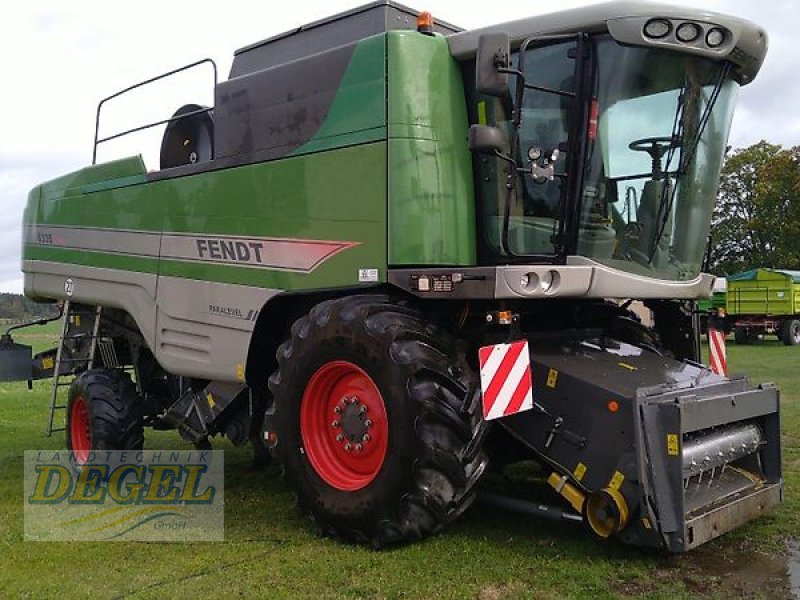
x=685 y=32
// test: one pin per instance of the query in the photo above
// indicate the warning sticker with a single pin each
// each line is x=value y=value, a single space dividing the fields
x=552 y=378
x=673 y=448
x=506 y=380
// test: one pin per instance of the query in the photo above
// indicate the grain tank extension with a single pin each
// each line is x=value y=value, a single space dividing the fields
x=395 y=254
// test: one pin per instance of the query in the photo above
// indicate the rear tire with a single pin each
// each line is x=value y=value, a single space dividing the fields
x=790 y=332
x=103 y=413
x=364 y=357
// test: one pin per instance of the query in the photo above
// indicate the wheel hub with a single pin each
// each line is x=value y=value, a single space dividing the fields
x=344 y=426
x=351 y=423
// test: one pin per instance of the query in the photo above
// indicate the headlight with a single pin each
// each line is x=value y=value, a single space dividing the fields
x=688 y=32
x=657 y=28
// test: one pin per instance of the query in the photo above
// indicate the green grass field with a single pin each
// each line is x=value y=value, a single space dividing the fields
x=271 y=551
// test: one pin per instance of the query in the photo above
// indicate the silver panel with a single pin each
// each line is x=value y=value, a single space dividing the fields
x=130 y=291
x=283 y=254
x=730 y=516
x=608 y=282
x=624 y=19
x=532 y=281
x=112 y=241
x=194 y=328
x=204 y=328
x=584 y=278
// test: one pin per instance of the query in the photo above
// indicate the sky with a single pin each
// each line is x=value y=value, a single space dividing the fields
x=60 y=58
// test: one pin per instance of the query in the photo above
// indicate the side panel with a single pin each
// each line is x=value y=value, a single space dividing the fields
x=307 y=222
x=59 y=238
x=131 y=291
x=315 y=220
x=431 y=201
x=769 y=293
x=204 y=329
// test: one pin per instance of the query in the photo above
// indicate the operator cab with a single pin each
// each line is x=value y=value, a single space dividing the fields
x=608 y=142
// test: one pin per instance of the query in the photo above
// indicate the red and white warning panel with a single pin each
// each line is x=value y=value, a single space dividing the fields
x=506 y=380
x=716 y=350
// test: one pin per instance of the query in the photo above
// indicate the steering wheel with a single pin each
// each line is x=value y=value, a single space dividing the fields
x=656 y=147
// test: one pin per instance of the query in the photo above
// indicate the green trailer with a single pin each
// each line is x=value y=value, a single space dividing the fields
x=765 y=302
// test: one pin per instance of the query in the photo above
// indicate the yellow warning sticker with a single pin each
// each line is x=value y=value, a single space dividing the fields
x=616 y=480
x=210 y=399
x=580 y=471
x=673 y=448
x=627 y=366
x=240 y=372
x=47 y=363
x=646 y=523
x=552 y=378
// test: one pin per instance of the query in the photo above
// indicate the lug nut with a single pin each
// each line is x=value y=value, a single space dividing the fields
x=347 y=447
x=368 y=423
x=337 y=409
x=340 y=438
x=366 y=438
x=363 y=409
x=335 y=423
x=358 y=447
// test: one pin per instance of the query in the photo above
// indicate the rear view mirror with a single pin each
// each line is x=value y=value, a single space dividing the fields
x=493 y=54
x=484 y=139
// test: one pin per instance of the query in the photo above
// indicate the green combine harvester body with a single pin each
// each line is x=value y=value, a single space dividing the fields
x=348 y=194
x=387 y=256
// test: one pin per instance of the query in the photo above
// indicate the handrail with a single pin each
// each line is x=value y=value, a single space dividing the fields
x=98 y=140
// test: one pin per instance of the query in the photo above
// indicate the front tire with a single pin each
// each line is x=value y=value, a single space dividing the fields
x=378 y=421
x=103 y=413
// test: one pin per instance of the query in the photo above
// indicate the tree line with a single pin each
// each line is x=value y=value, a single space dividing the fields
x=756 y=220
x=17 y=307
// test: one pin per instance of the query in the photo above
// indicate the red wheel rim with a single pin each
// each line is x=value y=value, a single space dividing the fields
x=343 y=425
x=79 y=433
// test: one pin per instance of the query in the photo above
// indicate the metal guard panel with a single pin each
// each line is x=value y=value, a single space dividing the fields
x=728 y=517
x=705 y=412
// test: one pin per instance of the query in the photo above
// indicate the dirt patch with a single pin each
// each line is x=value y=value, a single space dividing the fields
x=500 y=592
x=741 y=572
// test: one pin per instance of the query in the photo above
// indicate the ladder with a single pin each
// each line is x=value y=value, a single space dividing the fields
x=60 y=374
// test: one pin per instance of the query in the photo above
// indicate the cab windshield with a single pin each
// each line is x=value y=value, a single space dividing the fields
x=653 y=161
x=636 y=155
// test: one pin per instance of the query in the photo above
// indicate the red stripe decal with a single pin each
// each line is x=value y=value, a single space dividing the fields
x=484 y=354
x=519 y=394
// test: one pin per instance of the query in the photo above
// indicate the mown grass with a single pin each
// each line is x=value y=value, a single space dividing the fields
x=272 y=551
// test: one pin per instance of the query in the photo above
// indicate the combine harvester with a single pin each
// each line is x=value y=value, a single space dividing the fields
x=385 y=255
